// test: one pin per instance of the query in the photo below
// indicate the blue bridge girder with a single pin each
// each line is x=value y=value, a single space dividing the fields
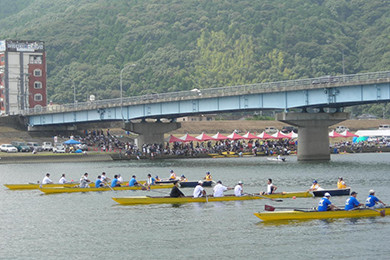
x=323 y=92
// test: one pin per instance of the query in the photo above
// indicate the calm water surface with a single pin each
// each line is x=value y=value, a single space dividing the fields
x=93 y=226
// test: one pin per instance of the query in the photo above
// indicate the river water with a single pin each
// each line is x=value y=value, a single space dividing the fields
x=93 y=226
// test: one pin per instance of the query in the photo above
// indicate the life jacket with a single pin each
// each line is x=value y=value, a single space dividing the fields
x=341 y=185
x=208 y=177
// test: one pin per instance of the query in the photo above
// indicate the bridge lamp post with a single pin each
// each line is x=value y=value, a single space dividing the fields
x=121 y=87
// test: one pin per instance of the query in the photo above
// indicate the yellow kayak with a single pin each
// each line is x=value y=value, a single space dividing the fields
x=300 y=215
x=136 y=200
x=35 y=186
x=90 y=189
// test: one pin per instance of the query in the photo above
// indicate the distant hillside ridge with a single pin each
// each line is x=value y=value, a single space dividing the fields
x=181 y=45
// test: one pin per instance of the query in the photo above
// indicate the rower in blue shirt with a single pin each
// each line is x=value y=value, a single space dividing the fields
x=352 y=202
x=325 y=204
x=133 y=181
x=373 y=202
x=115 y=182
x=99 y=182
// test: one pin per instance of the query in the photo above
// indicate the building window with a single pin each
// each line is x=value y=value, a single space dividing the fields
x=37 y=84
x=37 y=73
x=34 y=59
x=38 y=108
x=37 y=97
x=2 y=59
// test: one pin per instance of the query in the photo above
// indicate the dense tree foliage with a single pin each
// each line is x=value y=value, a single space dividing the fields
x=180 y=45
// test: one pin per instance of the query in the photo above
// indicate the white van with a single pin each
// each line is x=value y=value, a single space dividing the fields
x=341 y=128
x=384 y=127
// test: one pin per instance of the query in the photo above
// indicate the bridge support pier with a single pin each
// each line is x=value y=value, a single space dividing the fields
x=150 y=132
x=313 y=135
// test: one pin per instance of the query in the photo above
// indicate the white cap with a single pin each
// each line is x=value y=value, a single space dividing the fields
x=200 y=182
x=371 y=192
x=240 y=182
x=327 y=194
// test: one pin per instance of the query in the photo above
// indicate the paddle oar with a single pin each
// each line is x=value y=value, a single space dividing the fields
x=271 y=208
x=255 y=195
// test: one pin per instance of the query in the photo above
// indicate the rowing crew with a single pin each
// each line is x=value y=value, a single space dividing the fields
x=199 y=191
x=372 y=202
x=340 y=185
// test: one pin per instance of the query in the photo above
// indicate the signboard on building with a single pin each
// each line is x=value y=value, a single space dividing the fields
x=2 y=45
x=25 y=46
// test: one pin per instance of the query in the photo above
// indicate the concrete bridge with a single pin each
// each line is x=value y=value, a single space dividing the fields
x=326 y=95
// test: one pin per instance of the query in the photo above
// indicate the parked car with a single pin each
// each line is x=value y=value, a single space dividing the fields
x=22 y=147
x=289 y=129
x=59 y=149
x=8 y=148
x=341 y=128
x=271 y=130
x=35 y=146
x=384 y=127
x=47 y=146
x=83 y=147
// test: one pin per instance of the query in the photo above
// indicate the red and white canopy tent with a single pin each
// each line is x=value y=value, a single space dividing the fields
x=174 y=139
x=235 y=136
x=279 y=135
x=348 y=134
x=203 y=137
x=292 y=135
x=264 y=136
x=188 y=138
x=219 y=137
x=250 y=136
x=334 y=134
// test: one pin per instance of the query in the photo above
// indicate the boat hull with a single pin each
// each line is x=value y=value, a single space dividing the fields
x=332 y=192
x=35 y=186
x=77 y=189
x=188 y=184
x=137 y=200
x=302 y=215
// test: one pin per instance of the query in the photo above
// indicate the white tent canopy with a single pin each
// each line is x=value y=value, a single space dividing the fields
x=373 y=133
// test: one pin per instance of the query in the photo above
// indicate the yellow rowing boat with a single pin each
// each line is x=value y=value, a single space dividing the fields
x=35 y=186
x=300 y=215
x=78 y=189
x=136 y=200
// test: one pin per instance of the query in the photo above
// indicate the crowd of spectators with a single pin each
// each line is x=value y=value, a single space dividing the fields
x=106 y=142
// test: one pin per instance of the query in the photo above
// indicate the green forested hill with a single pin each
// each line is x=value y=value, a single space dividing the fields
x=185 y=44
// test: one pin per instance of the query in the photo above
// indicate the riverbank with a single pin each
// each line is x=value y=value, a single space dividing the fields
x=50 y=158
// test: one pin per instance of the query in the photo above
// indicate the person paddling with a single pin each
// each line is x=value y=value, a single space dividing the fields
x=175 y=192
x=238 y=190
x=199 y=190
x=372 y=202
x=62 y=180
x=46 y=179
x=219 y=189
x=325 y=205
x=271 y=188
x=352 y=202
x=84 y=181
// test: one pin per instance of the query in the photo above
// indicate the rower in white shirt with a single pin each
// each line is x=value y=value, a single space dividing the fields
x=46 y=179
x=219 y=189
x=62 y=180
x=238 y=191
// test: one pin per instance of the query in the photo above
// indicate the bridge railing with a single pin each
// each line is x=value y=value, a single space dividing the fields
x=213 y=92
